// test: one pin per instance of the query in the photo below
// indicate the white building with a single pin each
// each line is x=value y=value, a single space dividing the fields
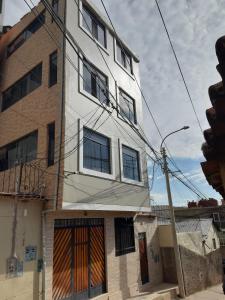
x=98 y=235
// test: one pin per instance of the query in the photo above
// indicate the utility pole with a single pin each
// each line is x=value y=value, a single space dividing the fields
x=180 y=276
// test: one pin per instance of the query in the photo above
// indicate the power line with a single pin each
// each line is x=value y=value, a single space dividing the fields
x=179 y=66
x=143 y=96
x=77 y=70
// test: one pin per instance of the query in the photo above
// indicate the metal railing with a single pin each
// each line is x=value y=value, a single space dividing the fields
x=23 y=179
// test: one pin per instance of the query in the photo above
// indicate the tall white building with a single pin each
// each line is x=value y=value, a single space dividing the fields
x=80 y=114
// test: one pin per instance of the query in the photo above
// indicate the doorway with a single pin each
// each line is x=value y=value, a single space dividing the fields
x=143 y=257
x=78 y=259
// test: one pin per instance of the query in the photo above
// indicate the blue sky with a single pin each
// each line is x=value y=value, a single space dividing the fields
x=194 y=25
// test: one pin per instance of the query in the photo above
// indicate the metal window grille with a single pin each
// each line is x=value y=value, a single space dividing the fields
x=124 y=236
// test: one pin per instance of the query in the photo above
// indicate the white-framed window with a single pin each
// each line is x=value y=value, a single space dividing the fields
x=122 y=57
x=93 y=82
x=96 y=153
x=90 y=23
x=127 y=106
x=131 y=165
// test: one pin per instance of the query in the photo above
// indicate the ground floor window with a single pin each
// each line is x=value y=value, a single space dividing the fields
x=124 y=236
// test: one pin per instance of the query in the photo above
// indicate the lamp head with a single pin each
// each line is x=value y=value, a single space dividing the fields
x=185 y=127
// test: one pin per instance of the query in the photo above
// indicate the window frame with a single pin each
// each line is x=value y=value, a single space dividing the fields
x=140 y=155
x=49 y=161
x=16 y=142
x=90 y=172
x=119 y=89
x=119 y=251
x=20 y=80
x=9 y=53
x=86 y=31
x=81 y=84
x=50 y=83
x=131 y=74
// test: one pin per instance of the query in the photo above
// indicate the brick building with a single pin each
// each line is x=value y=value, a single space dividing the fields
x=73 y=174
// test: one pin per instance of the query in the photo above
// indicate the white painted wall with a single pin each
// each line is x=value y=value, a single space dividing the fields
x=81 y=187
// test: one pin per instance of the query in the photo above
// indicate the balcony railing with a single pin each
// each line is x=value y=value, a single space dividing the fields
x=23 y=179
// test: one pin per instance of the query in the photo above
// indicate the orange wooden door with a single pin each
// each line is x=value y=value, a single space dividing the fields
x=143 y=257
x=62 y=264
x=79 y=261
x=81 y=257
x=97 y=261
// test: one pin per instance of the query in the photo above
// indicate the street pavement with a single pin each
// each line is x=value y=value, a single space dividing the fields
x=213 y=293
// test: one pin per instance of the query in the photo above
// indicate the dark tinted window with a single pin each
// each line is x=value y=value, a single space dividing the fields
x=127 y=107
x=94 y=26
x=130 y=163
x=20 y=151
x=124 y=58
x=51 y=144
x=124 y=236
x=53 y=69
x=22 y=87
x=96 y=151
x=95 y=83
x=26 y=34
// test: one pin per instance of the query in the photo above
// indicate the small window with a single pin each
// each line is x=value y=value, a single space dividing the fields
x=124 y=236
x=214 y=243
x=26 y=34
x=130 y=163
x=124 y=58
x=96 y=151
x=53 y=69
x=94 y=26
x=22 y=87
x=95 y=83
x=20 y=151
x=127 y=107
x=51 y=144
x=55 y=7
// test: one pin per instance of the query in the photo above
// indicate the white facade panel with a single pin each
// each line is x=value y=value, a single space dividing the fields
x=82 y=109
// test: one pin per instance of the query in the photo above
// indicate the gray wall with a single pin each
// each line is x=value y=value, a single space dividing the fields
x=81 y=187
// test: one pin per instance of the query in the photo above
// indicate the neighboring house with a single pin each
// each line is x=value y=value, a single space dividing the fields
x=75 y=212
x=199 y=252
x=1 y=15
x=214 y=147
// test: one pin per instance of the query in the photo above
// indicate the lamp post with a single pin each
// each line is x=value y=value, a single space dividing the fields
x=180 y=276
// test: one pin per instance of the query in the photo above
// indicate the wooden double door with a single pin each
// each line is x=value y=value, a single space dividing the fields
x=79 y=259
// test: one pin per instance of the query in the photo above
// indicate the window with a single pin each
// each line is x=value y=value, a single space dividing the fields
x=51 y=144
x=95 y=83
x=124 y=236
x=130 y=163
x=26 y=34
x=96 y=152
x=124 y=58
x=94 y=26
x=22 y=87
x=55 y=7
x=127 y=107
x=214 y=243
x=20 y=151
x=53 y=69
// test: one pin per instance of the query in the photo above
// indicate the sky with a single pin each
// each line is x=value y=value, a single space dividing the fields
x=194 y=27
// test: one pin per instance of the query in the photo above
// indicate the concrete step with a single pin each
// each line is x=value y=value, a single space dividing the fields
x=161 y=292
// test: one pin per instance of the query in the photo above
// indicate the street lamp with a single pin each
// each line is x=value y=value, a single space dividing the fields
x=180 y=276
